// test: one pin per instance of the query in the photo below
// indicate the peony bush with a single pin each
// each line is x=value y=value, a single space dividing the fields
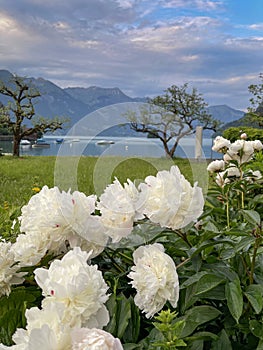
x=157 y=266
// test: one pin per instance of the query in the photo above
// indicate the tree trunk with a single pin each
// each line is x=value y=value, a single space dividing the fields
x=173 y=149
x=169 y=152
x=16 y=143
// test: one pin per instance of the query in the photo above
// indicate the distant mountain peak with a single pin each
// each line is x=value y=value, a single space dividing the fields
x=77 y=102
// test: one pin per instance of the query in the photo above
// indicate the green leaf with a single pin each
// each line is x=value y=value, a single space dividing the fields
x=112 y=308
x=260 y=345
x=12 y=311
x=131 y=346
x=251 y=216
x=234 y=299
x=205 y=245
x=254 y=294
x=210 y=226
x=207 y=283
x=120 y=314
x=197 y=345
x=222 y=269
x=198 y=315
x=256 y=328
x=124 y=314
x=132 y=331
x=222 y=343
x=217 y=293
x=193 y=279
x=203 y=336
x=244 y=243
x=9 y=322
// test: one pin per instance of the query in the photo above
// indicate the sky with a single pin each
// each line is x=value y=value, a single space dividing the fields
x=141 y=46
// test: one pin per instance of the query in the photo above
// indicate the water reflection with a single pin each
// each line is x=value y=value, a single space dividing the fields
x=141 y=147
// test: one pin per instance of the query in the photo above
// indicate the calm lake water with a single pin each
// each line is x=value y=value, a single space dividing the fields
x=133 y=146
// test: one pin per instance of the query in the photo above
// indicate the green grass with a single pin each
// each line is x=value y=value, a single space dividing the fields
x=88 y=174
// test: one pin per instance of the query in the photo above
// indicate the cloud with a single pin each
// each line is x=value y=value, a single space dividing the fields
x=141 y=46
x=203 y=5
x=256 y=26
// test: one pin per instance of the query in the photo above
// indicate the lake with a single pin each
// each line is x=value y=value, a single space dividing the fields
x=121 y=146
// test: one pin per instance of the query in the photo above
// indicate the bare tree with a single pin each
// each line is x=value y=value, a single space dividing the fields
x=20 y=108
x=172 y=116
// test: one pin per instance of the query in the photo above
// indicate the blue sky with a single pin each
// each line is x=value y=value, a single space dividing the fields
x=140 y=46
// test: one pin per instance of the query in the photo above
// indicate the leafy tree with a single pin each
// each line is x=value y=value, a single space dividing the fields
x=255 y=111
x=172 y=116
x=234 y=133
x=21 y=108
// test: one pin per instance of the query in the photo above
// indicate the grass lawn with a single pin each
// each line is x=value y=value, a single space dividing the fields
x=18 y=176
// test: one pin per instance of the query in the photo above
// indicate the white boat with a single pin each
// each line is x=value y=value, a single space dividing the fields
x=25 y=143
x=74 y=140
x=41 y=143
x=105 y=142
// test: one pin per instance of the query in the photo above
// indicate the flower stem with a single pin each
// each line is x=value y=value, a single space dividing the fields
x=227 y=211
x=242 y=200
x=253 y=262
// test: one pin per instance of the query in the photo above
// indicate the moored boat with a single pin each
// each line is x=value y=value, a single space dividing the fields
x=59 y=140
x=105 y=142
x=25 y=143
x=41 y=143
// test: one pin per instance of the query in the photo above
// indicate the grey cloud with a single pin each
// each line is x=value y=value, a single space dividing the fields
x=95 y=42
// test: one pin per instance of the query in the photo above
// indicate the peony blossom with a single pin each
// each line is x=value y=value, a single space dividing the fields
x=169 y=200
x=240 y=150
x=29 y=248
x=231 y=155
x=58 y=217
x=8 y=269
x=237 y=145
x=216 y=165
x=94 y=339
x=155 y=279
x=257 y=145
x=76 y=289
x=253 y=176
x=220 y=143
x=44 y=331
x=118 y=209
x=256 y=175
x=224 y=177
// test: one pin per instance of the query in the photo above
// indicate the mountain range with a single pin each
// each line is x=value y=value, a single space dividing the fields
x=76 y=102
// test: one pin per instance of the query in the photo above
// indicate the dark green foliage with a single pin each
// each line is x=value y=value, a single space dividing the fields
x=234 y=133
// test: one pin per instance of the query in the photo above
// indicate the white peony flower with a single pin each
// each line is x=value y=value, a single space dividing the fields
x=154 y=278
x=256 y=175
x=237 y=146
x=231 y=155
x=253 y=176
x=60 y=217
x=257 y=145
x=223 y=177
x=169 y=200
x=29 y=248
x=243 y=136
x=8 y=269
x=94 y=339
x=241 y=151
x=248 y=147
x=220 y=143
x=44 y=331
x=76 y=289
x=216 y=165
x=13 y=347
x=118 y=208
